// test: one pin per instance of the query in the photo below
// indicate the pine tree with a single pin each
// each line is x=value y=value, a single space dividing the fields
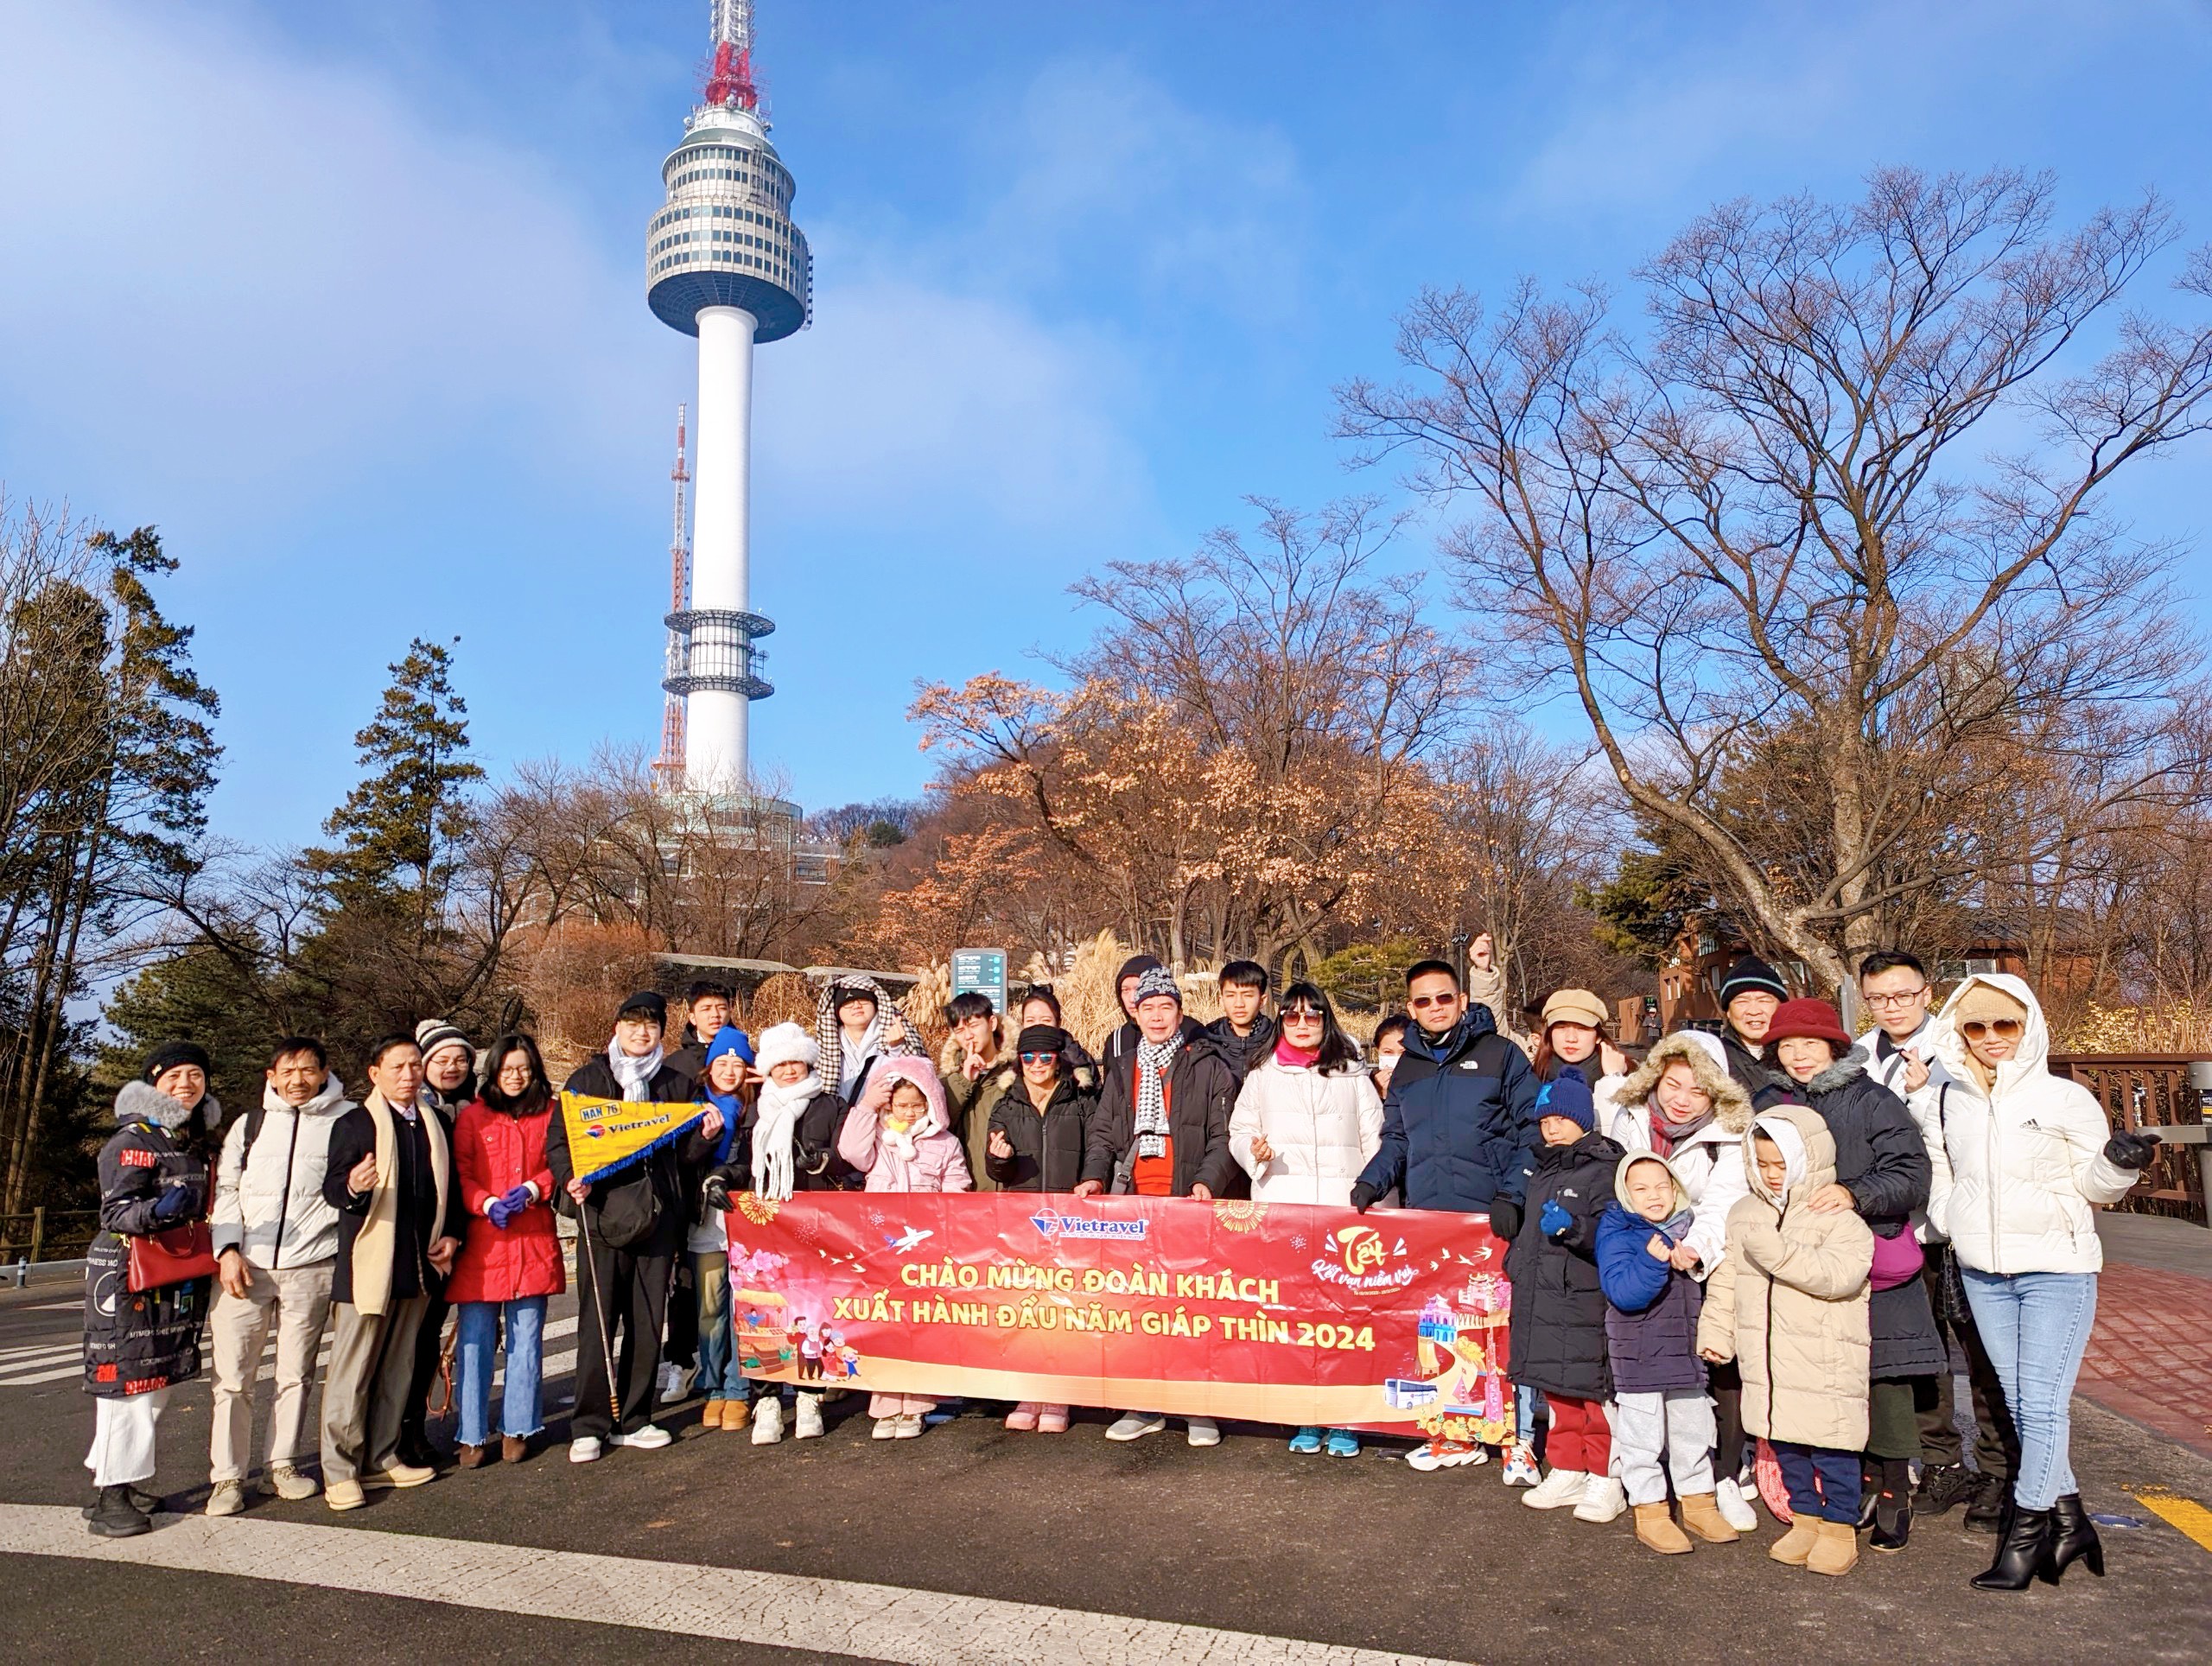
x=404 y=827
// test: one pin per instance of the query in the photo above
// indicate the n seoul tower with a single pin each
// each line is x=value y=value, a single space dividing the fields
x=724 y=263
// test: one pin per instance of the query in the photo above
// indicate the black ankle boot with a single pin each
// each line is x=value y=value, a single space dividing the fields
x=2023 y=1551
x=116 y=1517
x=1870 y=1490
x=2073 y=1538
x=1893 y=1506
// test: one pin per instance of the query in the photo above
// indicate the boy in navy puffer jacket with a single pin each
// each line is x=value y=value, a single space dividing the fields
x=1651 y=1312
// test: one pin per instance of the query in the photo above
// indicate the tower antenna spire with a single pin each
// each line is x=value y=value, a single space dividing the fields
x=729 y=76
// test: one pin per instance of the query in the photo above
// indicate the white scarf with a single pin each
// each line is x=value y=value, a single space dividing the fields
x=636 y=1075
x=774 y=1122
x=1152 y=1060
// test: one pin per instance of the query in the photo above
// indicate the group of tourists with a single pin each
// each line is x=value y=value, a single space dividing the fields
x=1737 y=1265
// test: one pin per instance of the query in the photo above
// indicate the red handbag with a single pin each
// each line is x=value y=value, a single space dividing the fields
x=175 y=1256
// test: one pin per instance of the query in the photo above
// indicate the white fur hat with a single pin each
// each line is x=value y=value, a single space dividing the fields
x=786 y=1044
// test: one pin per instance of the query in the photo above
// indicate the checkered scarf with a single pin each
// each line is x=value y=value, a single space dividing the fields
x=831 y=1039
x=1153 y=1059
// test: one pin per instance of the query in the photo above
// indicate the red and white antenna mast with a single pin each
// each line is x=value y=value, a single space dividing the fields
x=668 y=768
x=729 y=76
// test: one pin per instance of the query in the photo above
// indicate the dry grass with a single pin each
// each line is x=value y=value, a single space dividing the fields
x=2174 y=1026
x=575 y=977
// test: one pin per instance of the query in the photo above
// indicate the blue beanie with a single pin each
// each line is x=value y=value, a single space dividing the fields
x=1567 y=1094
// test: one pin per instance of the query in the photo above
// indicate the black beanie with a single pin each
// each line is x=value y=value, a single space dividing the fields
x=1042 y=1038
x=1134 y=966
x=648 y=1002
x=170 y=1054
x=1750 y=975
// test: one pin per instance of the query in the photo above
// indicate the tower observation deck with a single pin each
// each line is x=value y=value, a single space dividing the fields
x=724 y=264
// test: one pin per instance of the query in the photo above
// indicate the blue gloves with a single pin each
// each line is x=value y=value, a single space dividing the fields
x=1554 y=1221
x=173 y=1203
x=497 y=1213
x=517 y=1199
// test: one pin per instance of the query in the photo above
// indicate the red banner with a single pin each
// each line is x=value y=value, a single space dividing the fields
x=1279 y=1313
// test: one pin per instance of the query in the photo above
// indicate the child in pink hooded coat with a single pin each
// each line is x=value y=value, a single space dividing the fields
x=900 y=1136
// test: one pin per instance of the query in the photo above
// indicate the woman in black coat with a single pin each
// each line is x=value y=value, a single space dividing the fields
x=1558 y=1336
x=138 y=1345
x=1038 y=1124
x=1882 y=1173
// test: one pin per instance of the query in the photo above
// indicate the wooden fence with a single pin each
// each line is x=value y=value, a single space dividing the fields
x=2149 y=1089
x=47 y=1235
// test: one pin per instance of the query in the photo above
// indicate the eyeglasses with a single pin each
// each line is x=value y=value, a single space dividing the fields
x=2004 y=1029
x=1040 y=1057
x=1905 y=999
x=1420 y=1003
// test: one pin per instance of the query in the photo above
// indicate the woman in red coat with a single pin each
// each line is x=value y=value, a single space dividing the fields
x=507 y=1270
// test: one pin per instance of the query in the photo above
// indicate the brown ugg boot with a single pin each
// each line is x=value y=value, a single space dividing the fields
x=1655 y=1529
x=1794 y=1546
x=736 y=1413
x=1837 y=1549
x=710 y=1414
x=1702 y=1517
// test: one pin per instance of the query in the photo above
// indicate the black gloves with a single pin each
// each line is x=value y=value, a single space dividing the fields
x=1363 y=1196
x=2132 y=1150
x=716 y=1191
x=1505 y=1218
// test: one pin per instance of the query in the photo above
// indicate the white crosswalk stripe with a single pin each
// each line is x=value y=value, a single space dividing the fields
x=820 y=1616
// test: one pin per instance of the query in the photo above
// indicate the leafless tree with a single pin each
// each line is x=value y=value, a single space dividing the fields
x=1770 y=514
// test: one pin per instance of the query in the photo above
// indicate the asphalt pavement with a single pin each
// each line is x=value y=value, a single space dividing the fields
x=975 y=1543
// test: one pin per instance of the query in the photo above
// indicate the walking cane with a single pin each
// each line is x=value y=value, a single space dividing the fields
x=606 y=1342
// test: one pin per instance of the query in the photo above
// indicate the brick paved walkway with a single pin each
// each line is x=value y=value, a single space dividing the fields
x=2150 y=1356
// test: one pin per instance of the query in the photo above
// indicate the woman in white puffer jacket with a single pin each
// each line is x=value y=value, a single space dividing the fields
x=2027 y=1158
x=1307 y=1120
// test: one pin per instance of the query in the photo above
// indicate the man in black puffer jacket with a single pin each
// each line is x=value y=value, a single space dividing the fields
x=637 y=1219
x=1459 y=1118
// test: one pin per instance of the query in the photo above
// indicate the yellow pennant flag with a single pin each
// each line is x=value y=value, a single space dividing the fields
x=605 y=1134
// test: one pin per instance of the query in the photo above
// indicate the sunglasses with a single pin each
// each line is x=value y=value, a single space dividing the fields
x=1423 y=1001
x=2004 y=1029
x=1040 y=1057
x=1301 y=1016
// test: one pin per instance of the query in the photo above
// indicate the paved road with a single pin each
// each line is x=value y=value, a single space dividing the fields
x=971 y=1543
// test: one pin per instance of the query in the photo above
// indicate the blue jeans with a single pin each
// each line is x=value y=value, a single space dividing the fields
x=476 y=1340
x=719 y=1378
x=1823 y=1482
x=2035 y=1328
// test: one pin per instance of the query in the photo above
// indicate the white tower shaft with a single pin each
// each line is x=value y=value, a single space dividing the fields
x=716 y=757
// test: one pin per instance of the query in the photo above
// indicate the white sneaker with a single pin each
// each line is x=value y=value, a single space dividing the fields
x=1560 y=1490
x=1521 y=1467
x=908 y=1428
x=1735 y=1508
x=1204 y=1432
x=652 y=1438
x=286 y=1482
x=886 y=1428
x=227 y=1499
x=1136 y=1425
x=1603 y=1500
x=675 y=1382
x=768 y=1419
x=1442 y=1453
x=584 y=1449
x=810 y=1418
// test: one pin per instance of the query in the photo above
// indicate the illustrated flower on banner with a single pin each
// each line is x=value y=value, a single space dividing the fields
x=757 y=1209
x=1239 y=1214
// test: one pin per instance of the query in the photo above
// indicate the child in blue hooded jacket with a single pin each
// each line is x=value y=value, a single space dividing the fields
x=1652 y=1302
x=729 y=1059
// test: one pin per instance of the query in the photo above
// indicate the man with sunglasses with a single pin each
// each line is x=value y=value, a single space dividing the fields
x=1460 y=1112
x=1894 y=987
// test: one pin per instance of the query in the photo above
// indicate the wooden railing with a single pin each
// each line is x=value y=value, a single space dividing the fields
x=47 y=1235
x=2149 y=1089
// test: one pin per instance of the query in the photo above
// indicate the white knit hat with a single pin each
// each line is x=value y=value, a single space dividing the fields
x=786 y=1044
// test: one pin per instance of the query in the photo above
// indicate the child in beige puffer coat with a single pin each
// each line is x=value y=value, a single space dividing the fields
x=1788 y=1304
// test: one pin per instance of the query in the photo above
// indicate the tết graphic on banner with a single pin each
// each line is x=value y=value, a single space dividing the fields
x=1279 y=1313
x=605 y=1134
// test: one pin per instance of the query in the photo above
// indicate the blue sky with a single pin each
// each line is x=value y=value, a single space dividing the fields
x=348 y=301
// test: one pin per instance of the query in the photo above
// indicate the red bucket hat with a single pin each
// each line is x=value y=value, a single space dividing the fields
x=1810 y=1018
